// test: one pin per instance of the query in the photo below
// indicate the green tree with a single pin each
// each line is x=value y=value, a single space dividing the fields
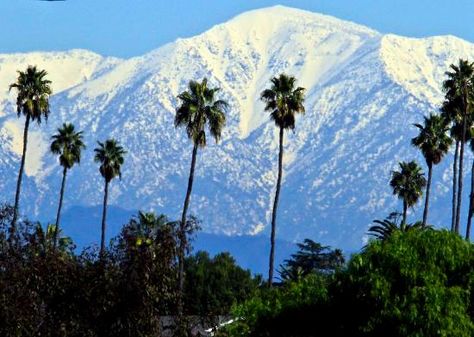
x=433 y=142
x=459 y=85
x=283 y=100
x=67 y=144
x=33 y=102
x=408 y=184
x=416 y=283
x=110 y=156
x=311 y=257
x=147 y=255
x=199 y=109
x=214 y=284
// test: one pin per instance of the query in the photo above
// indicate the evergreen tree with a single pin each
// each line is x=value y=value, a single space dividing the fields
x=311 y=257
x=283 y=100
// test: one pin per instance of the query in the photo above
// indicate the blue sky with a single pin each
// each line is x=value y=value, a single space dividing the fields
x=127 y=28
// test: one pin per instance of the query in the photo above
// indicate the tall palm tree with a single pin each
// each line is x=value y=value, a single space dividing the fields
x=199 y=109
x=33 y=102
x=434 y=143
x=67 y=144
x=283 y=100
x=471 y=196
x=459 y=85
x=451 y=110
x=110 y=156
x=408 y=184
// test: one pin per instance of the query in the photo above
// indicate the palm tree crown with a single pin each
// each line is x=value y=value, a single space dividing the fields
x=460 y=80
x=199 y=107
x=283 y=101
x=111 y=156
x=408 y=184
x=384 y=229
x=433 y=140
x=68 y=144
x=33 y=93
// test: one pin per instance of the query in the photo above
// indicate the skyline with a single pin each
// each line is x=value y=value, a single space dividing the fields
x=133 y=29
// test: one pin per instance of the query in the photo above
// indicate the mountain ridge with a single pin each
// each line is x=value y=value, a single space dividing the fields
x=365 y=89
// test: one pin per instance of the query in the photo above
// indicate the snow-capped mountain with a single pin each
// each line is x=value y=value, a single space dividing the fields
x=364 y=91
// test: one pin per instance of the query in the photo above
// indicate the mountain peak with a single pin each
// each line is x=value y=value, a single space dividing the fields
x=282 y=15
x=364 y=91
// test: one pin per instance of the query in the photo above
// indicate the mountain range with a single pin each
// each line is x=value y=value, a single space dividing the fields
x=365 y=89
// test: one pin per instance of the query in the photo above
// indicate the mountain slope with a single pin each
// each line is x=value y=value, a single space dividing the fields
x=365 y=90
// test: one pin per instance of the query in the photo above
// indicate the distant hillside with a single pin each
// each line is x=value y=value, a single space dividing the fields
x=365 y=90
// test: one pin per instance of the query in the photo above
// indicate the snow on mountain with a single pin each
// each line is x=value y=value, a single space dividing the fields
x=65 y=70
x=364 y=92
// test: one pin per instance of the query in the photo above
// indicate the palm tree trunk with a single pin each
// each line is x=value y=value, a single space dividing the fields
x=275 y=207
x=20 y=176
x=404 y=216
x=471 y=205
x=461 y=162
x=104 y=218
x=182 y=234
x=427 y=197
x=455 y=182
x=58 y=215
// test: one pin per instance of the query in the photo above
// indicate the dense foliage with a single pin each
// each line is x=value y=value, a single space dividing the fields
x=411 y=281
x=311 y=258
x=415 y=283
x=127 y=292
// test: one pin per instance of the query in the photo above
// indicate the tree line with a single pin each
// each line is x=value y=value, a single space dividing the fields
x=200 y=113
x=453 y=124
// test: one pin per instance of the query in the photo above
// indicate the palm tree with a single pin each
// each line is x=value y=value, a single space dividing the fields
x=199 y=109
x=283 y=101
x=33 y=102
x=68 y=144
x=384 y=229
x=459 y=85
x=408 y=184
x=43 y=239
x=451 y=111
x=471 y=197
x=434 y=143
x=110 y=157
